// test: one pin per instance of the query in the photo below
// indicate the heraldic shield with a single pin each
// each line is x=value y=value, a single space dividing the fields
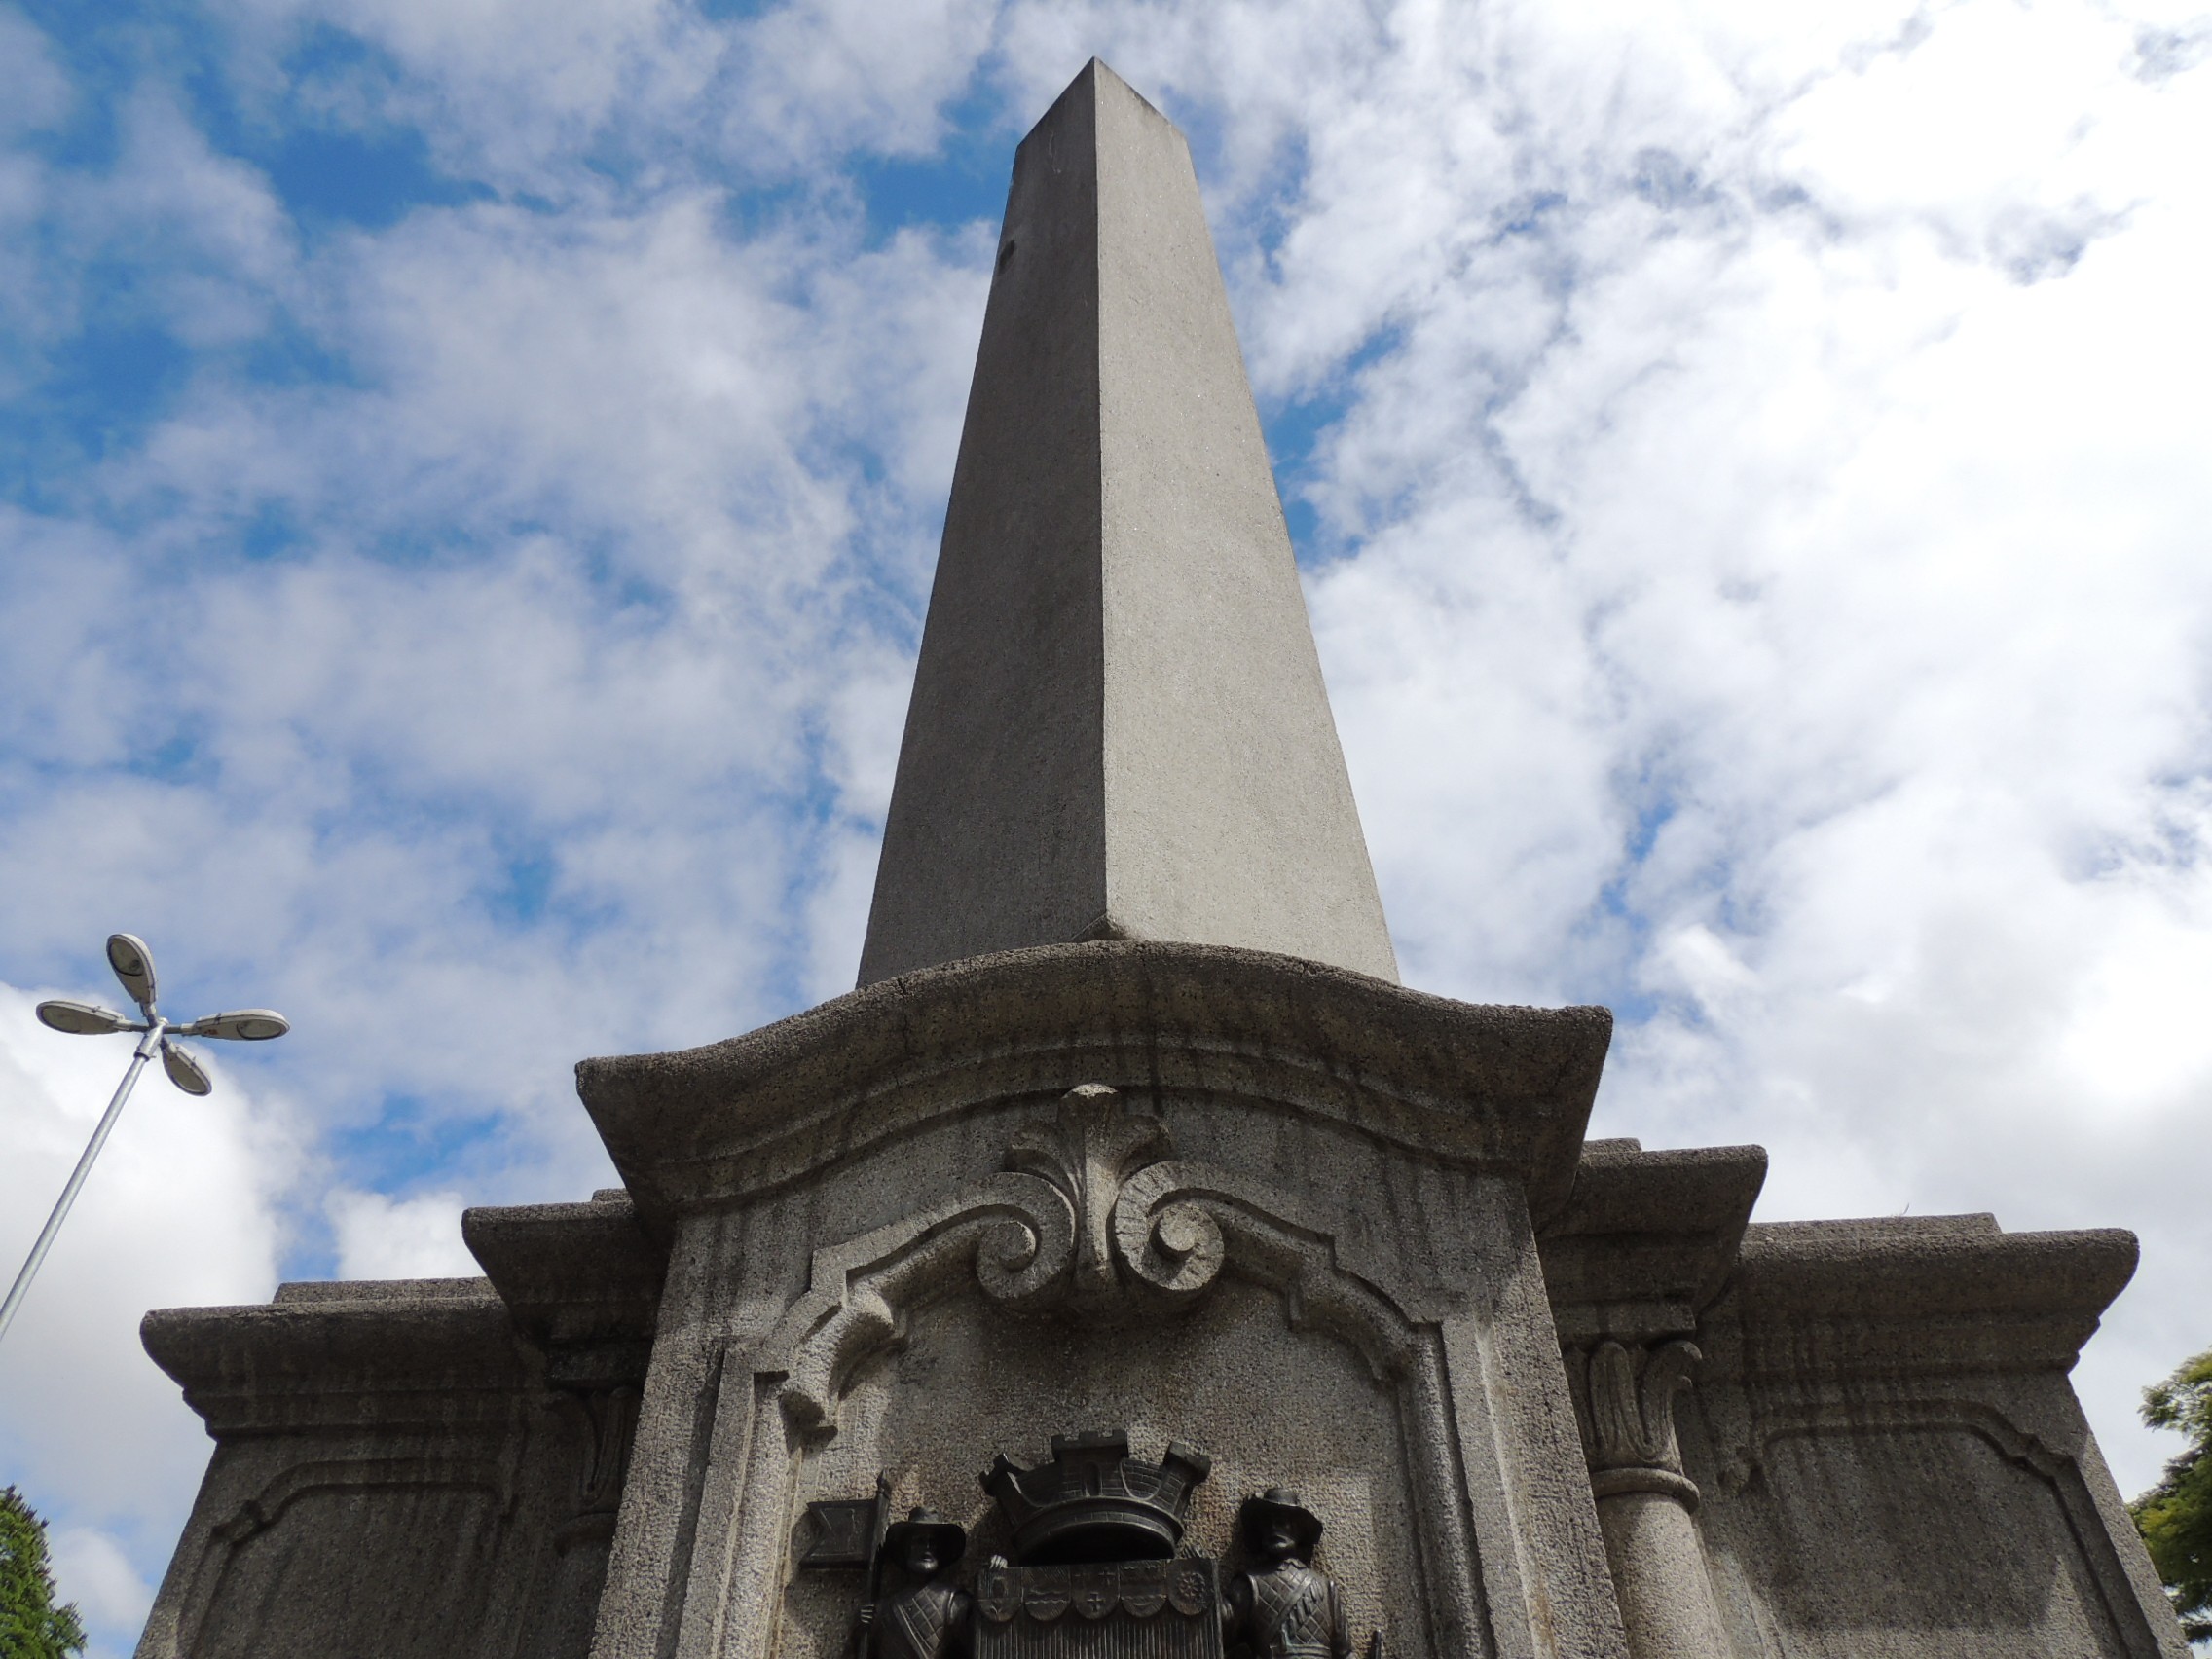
x=1131 y=1610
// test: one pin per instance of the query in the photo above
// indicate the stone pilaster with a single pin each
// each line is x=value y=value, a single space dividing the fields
x=1646 y=1506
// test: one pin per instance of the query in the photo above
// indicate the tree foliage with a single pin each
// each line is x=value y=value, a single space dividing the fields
x=2175 y=1516
x=31 y=1626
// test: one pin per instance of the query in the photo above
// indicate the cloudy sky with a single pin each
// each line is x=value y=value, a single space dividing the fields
x=472 y=470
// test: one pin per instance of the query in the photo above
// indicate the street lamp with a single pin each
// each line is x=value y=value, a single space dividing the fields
x=134 y=964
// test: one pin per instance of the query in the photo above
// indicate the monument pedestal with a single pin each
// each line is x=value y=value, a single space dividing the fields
x=1275 y=1211
x=1334 y=1233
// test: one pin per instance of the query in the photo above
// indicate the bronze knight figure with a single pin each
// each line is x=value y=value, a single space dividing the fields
x=926 y=1617
x=1282 y=1606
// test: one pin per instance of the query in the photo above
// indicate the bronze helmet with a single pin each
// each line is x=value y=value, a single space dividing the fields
x=949 y=1537
x=1281 y=1503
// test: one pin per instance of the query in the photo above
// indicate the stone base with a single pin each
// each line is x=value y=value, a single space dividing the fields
x=1333 y=1234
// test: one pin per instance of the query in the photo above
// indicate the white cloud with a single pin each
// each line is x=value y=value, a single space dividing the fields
x=1803 y=516
x=40 y=92
x=845 y=75
x=379 y=1237
x=525 y=96
x=94 y=1572
x=613 y=453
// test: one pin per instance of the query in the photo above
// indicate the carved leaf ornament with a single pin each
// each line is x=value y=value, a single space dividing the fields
x=1632 y=1419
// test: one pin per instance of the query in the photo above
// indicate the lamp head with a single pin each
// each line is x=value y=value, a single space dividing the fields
x=134 y=964
x=82 y=1019
x=245 y=1024
x=184 y=1071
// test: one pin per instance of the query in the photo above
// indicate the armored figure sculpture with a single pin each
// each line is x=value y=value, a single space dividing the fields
x=1283 y=1607
x=926 y=1617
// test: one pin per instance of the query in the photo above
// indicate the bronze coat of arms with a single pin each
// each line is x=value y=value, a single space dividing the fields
x=1095 y=1588
x=1144 y=1587
x=1044 y=1592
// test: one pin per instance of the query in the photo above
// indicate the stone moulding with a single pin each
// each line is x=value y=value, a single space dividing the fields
x=490 y=1417
x=1921 y=1413
x=263 y=1510
x=357 y=1475
x=368 y=1392
x=1870 y=1343
x=582 y=1281
x=1501 y=1089
x=1647 y=1239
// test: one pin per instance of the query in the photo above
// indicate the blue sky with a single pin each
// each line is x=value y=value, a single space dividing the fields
x=469 y=477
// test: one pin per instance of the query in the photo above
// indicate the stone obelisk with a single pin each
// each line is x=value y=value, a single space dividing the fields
x=1119 y=728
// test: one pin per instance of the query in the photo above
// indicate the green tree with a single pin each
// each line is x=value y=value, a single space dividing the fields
x=2175 y=1516
x=31 y=1626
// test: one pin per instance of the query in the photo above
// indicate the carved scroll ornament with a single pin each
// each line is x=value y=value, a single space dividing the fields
x=1094 y=1217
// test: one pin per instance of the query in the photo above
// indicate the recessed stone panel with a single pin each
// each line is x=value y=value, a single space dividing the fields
x=1271 y=1403
x=1892 y=1541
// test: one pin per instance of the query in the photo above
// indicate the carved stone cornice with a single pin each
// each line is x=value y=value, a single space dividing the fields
x=582 y=1281
x=570 y=1302
x=1897 y=1296
x=1647 y=1239
x=1506 y=1089
x=438 y=1352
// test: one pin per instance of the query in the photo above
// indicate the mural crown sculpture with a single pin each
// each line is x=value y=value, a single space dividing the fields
x=1095 y=1503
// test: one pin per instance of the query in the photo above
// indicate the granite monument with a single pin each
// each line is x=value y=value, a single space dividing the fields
x=1190 y=1287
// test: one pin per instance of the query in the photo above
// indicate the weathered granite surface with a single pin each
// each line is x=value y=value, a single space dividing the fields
x=1119 y=727
x=1272 y=1210
x=1894 y=1458
x=893 y=1061
x=1551 y=1399
x=1554 y=1398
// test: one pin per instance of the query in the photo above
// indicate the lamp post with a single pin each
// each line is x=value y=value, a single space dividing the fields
x=134 y=964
